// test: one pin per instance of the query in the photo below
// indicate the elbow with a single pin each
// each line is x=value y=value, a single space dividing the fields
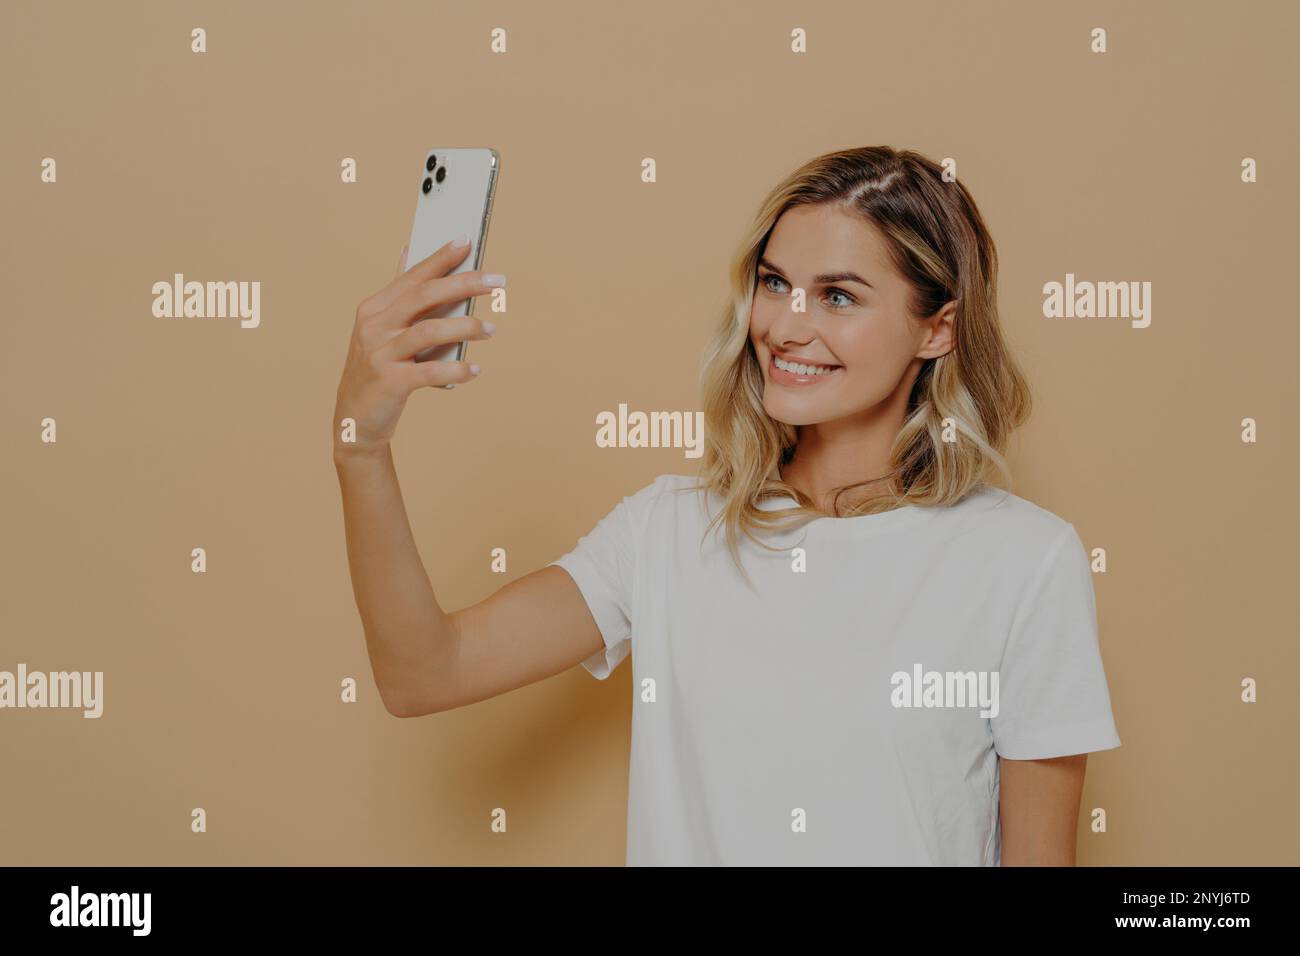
x=396 y=711
x=399 y=706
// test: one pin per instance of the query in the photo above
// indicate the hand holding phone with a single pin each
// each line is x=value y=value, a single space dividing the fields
x=380 y=371
x=457 y=187
x=393 y=351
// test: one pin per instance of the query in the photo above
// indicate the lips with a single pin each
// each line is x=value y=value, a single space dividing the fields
x=797 y=360
x=782 y=376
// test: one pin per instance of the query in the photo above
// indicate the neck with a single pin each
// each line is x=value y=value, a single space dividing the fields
x=833 y=454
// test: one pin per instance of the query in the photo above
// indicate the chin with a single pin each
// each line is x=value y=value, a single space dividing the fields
x=784 y=413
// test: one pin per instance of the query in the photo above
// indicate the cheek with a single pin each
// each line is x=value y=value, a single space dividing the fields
x=877 y=345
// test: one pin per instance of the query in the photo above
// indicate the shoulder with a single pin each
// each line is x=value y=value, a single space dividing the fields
x=671 y=489
x=1014 y=522
x=1035 y=553
x=664 y=488
x=664 y=497
x=678 y=484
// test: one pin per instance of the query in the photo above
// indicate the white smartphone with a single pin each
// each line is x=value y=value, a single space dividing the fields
x=456 y=190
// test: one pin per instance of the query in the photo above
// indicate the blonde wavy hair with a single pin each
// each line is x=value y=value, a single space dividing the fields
x=976 y=392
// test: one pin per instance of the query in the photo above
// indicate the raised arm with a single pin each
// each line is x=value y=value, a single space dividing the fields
x=424 y=659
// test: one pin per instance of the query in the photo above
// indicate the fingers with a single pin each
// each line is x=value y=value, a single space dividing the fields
x=428 y=296
x=440 y=263
x=437 y=373
x=430 y=332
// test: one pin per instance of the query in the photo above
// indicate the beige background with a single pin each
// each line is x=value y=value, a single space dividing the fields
x=222 y=688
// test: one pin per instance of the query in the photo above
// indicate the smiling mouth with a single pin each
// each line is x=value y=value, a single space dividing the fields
x=790 y=374
x=802 y=368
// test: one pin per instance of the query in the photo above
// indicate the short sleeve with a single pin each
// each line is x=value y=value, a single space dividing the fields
x=604 y=565
x=1052 y=695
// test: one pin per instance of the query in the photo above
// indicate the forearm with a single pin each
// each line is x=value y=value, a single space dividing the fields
x=408 y=635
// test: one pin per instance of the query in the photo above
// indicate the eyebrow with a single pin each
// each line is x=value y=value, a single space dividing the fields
x=826 y=278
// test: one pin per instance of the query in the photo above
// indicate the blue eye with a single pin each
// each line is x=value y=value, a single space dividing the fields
x=764 y=279
x=843 y=293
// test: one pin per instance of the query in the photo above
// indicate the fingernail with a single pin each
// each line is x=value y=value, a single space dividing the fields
x=489 y=328
x=473 y=370
x=461 y=240
x=494 y=279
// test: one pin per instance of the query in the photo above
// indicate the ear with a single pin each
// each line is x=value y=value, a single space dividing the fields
x=940 y=338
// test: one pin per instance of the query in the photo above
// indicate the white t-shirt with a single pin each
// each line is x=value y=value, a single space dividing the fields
x=765 y=729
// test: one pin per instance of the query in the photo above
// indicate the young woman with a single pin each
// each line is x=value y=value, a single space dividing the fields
x=887 y=660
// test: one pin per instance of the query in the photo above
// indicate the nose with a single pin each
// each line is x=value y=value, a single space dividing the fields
x=791 y=329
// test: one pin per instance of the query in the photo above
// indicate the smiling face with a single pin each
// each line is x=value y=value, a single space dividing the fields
x=855 y=327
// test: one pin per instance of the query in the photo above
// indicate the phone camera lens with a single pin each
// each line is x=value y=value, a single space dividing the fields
x=428 y=184
x=441 y=174
x=433 y=161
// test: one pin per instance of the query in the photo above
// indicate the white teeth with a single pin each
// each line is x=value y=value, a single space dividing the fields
x=803 y=369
